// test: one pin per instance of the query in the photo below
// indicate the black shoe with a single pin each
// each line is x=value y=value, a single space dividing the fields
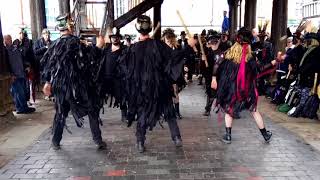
x=206 y=113
x=27 y=111
x=140 y=147
x=177 y=141
x=266 y=135
x=101 y=145
x=177 y=108
x=124 y=116
x=200 y=83
x=129 y=123
x=227 y=137
x=56 y=146
x=236 y=116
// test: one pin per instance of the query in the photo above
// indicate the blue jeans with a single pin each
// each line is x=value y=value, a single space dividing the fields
x=18 y=89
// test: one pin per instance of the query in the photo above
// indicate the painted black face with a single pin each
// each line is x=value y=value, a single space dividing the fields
x=115 y=40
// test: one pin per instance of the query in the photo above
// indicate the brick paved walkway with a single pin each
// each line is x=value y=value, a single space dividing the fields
x=202 y=156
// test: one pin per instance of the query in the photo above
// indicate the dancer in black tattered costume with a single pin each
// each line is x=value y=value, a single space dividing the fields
x=69 y=69
x=235 y=80
x=213 y=54
x=109 y=72
x=150 y=71
x=170 y=39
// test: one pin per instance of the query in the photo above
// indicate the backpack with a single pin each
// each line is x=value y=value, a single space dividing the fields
x=294 y=98
x=279 y=95
x=311 y=107
x=312 y=104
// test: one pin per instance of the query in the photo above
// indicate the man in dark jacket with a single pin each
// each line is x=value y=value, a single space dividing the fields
x=109 y=74
x=40 y=47
x=190 y=54
x=264 y=53
x=25 y=46
x=150 y=69
x=69 y=76
x=19 y=78
x=214 y=53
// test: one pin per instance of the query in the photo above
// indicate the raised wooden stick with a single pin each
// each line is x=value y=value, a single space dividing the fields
x=314 y=89
x=202 y=52
x=156 y=29
x=92 y=25
x=184 y=24
x=190 y=36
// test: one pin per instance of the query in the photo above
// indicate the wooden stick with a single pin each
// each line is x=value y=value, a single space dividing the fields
x=156 y=29
x=315 y=83
x=184 y=25
x=202 y=52
x=92 y=25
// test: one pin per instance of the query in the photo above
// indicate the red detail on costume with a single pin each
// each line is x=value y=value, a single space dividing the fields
x=257 y=94
x=264 y=53
x=241 y=77
x=270 y=71
x=31 y=76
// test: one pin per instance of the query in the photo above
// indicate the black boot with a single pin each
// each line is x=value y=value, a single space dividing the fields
x=206 y=113
x=200 y=80
x=101 y=145
x=208 y=106
x=227 y=137
x=140 y=147
x=56 y=146
x=266 y=135
x=124 y=116
x=177 y=110
x=177 y=141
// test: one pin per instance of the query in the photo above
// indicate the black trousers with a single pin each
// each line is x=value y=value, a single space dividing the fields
x=211 y=94
x=209 y=104
x=191 y=70
x=60 y=120
x=142 y=129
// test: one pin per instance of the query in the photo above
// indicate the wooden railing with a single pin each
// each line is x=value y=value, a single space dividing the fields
x=89 y=14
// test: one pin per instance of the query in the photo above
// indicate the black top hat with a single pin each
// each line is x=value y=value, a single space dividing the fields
x=115 y=33
x=244 y=36
x=311 y=35
x=213 y=36
x=64 y=22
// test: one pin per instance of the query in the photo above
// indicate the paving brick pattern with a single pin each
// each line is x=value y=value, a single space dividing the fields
x=203 y=155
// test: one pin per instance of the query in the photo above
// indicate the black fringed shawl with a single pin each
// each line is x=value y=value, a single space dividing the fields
x=71 y=68
x=150 y=68
x=227 y=85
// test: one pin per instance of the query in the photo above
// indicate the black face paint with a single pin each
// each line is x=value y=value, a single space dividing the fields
x=115 y=40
